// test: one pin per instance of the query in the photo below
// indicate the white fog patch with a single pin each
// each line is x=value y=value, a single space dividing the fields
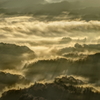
x=44 y=36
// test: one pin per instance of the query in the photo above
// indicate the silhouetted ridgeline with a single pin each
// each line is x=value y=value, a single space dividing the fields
x=88 y=11
x=58 y=90
x=11 y=55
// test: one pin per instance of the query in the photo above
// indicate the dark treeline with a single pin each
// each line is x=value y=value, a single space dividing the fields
x=60 y=89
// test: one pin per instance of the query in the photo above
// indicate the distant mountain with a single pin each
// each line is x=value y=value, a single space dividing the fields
x=12 y=56
x=70 y=10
